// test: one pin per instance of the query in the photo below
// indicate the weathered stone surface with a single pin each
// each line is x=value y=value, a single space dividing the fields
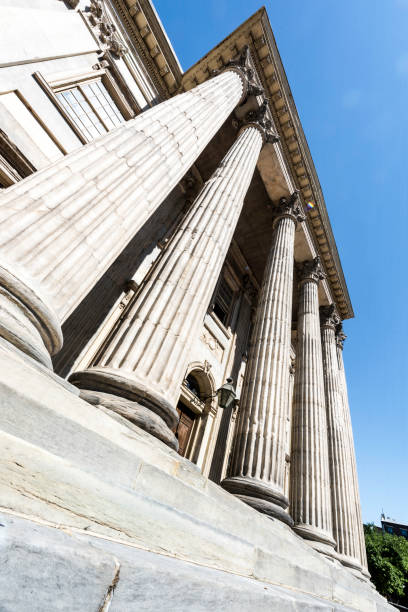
x=146 y=358
x=69 y=464
x=258 y=465
x=62 y=227
x=349 y=442
x=311 y=507
x=345 y=520
x=45 y=570
x=133 y=412
x=74 y=572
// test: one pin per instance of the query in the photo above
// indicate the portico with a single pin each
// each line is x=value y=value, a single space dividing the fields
x=245 y=283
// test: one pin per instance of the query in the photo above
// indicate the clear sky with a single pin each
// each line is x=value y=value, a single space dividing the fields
x=347 y=65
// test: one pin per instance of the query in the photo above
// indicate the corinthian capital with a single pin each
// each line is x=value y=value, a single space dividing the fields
x=311 y=271
x=257 y=118
x=329 y=316
x=290 y=207
x=242 y=66
x=340 y=335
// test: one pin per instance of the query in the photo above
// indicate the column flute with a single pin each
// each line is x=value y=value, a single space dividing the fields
x=62 y=227
x=146 y=359
x=310 y=480
x=342 y=490
x=357 y=530
x=258 y=466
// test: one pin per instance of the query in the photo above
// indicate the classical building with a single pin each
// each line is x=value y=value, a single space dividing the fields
x=175 y=427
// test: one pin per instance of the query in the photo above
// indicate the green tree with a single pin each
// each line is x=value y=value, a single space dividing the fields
x=387 y=557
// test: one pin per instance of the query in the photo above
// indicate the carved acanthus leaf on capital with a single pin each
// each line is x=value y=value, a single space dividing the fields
x=340 y=335
x=329 y=316
x=107 y=30
x=242 y=65
x=257 y=118
x=290 y=207
x=311 y=270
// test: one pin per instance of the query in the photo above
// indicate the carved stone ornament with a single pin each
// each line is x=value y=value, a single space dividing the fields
x=290 y=207
x=329 y=316
x=340 y=335
x=311 y=271
x=107 y=30
x=242 y=65
x=257 y=118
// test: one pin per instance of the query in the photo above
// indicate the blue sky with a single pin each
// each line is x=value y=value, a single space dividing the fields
x=347 y=65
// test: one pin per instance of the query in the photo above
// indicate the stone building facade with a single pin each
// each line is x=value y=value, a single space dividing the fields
x=164 y=232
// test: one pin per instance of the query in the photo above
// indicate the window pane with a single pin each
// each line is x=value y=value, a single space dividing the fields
x=91 y=108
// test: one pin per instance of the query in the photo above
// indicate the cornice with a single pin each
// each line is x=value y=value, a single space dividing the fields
x=256 y=32
x=152 y=45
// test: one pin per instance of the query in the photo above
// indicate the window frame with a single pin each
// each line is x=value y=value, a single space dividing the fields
x=14 y=165
x=54 y=86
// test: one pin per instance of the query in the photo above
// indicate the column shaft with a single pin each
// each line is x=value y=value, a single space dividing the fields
x=62 y=227
x=357 y=529
x=343 y=507
x=258 y=467
x=310 y=480
x=146 y=359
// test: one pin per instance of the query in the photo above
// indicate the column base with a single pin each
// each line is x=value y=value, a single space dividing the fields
x=26 y=322
x=319 y=540
x=131 y=399
x=259 y=496
x=350 y=562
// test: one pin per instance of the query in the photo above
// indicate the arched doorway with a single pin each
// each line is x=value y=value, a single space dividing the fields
x=197 y=408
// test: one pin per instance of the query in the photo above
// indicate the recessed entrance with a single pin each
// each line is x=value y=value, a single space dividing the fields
x=184 y=427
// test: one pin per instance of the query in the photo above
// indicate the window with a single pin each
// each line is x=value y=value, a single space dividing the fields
x=192 y=383
x=223 y=302
x=91 y=108
x=92 y=103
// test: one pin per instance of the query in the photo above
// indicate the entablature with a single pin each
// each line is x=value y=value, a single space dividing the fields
x=146 y=32
x=287 y=165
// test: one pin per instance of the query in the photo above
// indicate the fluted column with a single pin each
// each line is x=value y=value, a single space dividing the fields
x=257 y=474
x=342 y=493
x=62 y=227
x=146 y=359
x=310 y=479
x=357 y=528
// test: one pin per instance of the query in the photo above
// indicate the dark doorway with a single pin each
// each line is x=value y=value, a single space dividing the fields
x=184 y=427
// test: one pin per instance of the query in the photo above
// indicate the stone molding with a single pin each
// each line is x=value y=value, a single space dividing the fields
x=242 y=66
x=340 y=335
x=311 y=271
x=27 y=322
x=100 y=19
x=257 y=118
x=329 y=316
x=256 y=31
x=290 y=208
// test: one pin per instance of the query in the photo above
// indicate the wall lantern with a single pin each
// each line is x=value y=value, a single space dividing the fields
x=226 y=394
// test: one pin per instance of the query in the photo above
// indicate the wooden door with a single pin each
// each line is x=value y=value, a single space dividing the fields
x=184 y=427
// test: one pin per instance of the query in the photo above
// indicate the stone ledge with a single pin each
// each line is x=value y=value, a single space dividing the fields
x=70 y=464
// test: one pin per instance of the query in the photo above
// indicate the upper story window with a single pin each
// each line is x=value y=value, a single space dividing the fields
x=223 y=302
x=92 y=103
x=91 y=108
